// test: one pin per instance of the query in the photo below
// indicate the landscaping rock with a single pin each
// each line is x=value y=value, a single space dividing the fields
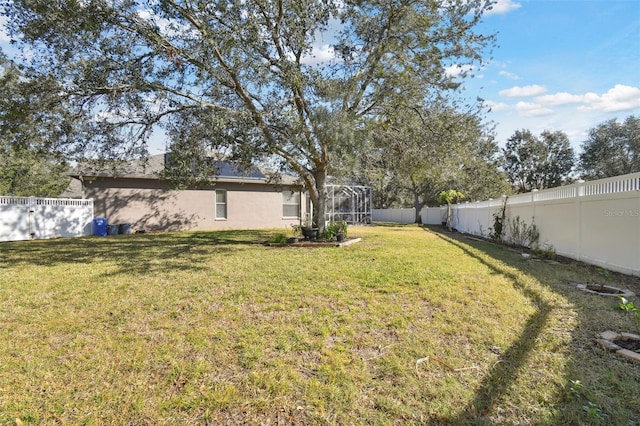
x=609 y=335
x=629 y=336
x=608 y=345
x=634 y=356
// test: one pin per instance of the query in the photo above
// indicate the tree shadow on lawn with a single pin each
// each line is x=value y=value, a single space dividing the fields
x=569 y=405
x=133 y=254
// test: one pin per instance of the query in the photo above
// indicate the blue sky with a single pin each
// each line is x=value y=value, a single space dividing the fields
x=564 y=65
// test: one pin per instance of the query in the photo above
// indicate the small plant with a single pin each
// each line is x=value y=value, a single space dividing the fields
x=594 y=412
x=341 y=228
x=278 y=239
x=308 y=221
x=577 y=388
x=522 y=234
x=335 y=228
x=449 y=197
x=628 y=307
x=329 y=233
x=605 y=273
x=296 y=230
x=496 y=233
x=547 y=251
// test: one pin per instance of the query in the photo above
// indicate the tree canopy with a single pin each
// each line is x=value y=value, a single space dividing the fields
x=611 y=149
x=414 y=154
x=243 y=74
x=28 y=123
x=538 y=162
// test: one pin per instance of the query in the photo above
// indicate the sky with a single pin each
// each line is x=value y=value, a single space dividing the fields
x=560 y=65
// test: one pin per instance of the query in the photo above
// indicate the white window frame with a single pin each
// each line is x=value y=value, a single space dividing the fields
x=287 y=197
x=219 y=203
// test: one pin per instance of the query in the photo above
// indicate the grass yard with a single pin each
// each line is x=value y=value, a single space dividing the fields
x=408 y=326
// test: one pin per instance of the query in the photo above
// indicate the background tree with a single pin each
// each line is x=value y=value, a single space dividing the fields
x=129 y=66
x=28 y=129
x=611 y=149
x=414 y=154
x=25 y=172
x=537 y=163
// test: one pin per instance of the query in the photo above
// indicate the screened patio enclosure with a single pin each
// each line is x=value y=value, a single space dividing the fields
x=351 y=203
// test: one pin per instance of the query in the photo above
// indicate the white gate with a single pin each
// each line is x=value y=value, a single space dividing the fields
x=24 y=218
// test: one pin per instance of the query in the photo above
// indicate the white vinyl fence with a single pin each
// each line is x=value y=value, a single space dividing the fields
x=24 y=218
x=597 y=222
x=394 y=215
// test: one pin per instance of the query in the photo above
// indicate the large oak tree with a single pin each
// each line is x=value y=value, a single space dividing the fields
x=532 y=162
x=243 y=74
x=611 y=149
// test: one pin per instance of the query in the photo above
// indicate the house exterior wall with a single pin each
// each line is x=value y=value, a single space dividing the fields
x=150 y=205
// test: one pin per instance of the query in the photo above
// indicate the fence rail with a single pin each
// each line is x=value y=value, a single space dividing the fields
x=597 y=222
x=24 y=218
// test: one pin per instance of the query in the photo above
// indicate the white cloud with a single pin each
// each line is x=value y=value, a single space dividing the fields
x=454 y=71
x=618 y=98
x=503 y=6
x=529 y=109
x=509 y=75
x=318 y=55
x=524 y=91
x=496 y=106
x=560 y=98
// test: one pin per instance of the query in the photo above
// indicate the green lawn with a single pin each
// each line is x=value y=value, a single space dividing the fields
x=408 y=326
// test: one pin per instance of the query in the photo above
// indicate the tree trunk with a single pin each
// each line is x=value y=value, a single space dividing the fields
x=418 y=205
x=320 y=202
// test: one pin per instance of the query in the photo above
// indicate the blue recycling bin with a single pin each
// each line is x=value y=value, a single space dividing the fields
x=100 y=226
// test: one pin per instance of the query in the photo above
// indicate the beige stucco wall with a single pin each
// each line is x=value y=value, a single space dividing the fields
x=149 y=204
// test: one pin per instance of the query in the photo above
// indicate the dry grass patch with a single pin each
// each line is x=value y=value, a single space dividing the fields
x=407 y=326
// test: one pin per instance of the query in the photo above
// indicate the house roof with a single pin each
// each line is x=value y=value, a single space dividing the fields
x=152 y=166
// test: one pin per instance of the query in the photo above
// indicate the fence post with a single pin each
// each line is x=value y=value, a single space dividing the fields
x=534 y=198
x=489 y=213
x=32 y=211
x=579 y=195
x=477 y=218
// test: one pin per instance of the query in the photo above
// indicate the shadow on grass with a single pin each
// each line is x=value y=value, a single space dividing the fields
x=132 y=254
x=503 y=373
x=603 y=376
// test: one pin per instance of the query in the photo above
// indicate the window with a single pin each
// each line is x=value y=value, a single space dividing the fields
x=221 y=204
x=290 y=204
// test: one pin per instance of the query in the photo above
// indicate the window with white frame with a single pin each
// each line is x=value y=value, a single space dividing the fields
x=221 y=204
x=290 y=204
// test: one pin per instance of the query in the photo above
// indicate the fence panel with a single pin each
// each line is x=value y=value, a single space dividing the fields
x=597 y=222
x=394 y=215
x=610 y=235
x=24 y=218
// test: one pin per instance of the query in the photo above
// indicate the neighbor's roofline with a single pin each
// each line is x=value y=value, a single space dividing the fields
x=216 y=179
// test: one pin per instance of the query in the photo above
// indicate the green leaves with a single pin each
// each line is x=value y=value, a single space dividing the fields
x=611 y=149
x=537 y=163
x=450 y=196
x=126 y=68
